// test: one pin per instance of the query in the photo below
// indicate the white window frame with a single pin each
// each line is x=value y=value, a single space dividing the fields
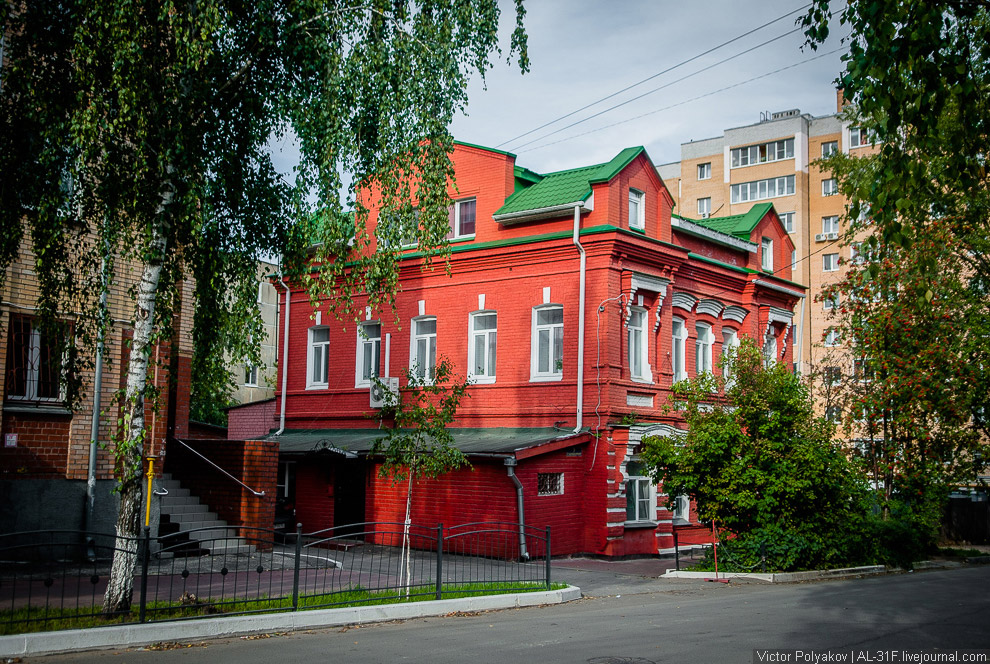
x=829 y=148
x=705 y=171
x=678 y=349
x=705 y=206
x=833 y=414
x=830 y=262
x=456 y=232
x=681 y=509
x=832 y=302
x=766 y=254
x=762 y=153
x=770 y=348
x=489 y=339
x=832 y=337
x=860 y=137
x=703 y=343
x=644 y=506
x=830 y=187
x=787 y=220
x=830 y=223
x=554 y=372
x=424 y=371
x=637 y=210
x=730 y=342
x=793 y=257
x=318 y=352
x=638 y=346
x=757 y=190
x=364 y=340
x=250 y=375
x=832 y=375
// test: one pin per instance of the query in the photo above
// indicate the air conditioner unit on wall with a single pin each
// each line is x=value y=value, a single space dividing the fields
x=378 y=395
x=820 y=237
x=833 y=236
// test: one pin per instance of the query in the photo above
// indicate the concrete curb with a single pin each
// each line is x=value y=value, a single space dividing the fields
x=785 y=577
x=122 y=636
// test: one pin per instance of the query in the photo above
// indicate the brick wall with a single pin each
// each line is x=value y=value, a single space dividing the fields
x=42 y=445
x=255 y=463
x=252 y=420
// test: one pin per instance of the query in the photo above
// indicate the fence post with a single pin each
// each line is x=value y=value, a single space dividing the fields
x=145 y=554
x=439 y=561
x=763 y=557
x=295 y=571
x=548 y=557
x=677 y=553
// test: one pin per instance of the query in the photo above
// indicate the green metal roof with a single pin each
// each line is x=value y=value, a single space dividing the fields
x=493 y=440
x=565 y=187
x=739 y=225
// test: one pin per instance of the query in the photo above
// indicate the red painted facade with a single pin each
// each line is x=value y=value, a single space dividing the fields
x=513 y=269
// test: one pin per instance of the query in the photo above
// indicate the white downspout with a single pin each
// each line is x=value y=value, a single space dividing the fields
x=285 y=353
x=580 y=349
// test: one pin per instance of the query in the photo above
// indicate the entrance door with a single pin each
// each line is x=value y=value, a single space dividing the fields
x=349 y=484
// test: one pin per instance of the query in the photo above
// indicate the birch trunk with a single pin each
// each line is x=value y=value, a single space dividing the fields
x=405 y=533
x=120 y=586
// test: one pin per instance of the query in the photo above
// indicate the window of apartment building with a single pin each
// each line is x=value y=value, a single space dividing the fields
x=829 y=148
x=548 y=343
x=830 y=262
x=639 y=368
x=860 y=136
x=640 y=499
x=318 y=358
x=704 y=207
x=250 y=375
x=832 y=337
x=830 y=187
x=793 y=257
x=863 y=370
x=703 y=348
x=550 y=484
x=766 y=254
x=760 y=189
x=831 y=302
x=462 y=219
x=833 y=414
x=832 y=376
x=787 y=219
x=423 y=352
x=762 y=153
x=35 y=365
x=637 y=211
x=859 y=252
x=830 y=224
x=369 y=345
x=678 y=335
x=481 y=346
x=705 y=171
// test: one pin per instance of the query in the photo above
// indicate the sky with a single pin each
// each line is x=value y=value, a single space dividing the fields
x=584 y=50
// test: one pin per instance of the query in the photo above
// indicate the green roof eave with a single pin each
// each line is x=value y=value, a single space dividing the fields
x=609 y=170
x=734 y=268
x=739 y=225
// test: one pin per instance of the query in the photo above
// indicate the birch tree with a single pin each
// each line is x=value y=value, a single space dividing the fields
x=137 y=131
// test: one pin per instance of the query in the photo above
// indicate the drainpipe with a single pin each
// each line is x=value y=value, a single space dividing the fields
x=510 y=468
x=285 y=352
x=580 y=349
x=94 y=426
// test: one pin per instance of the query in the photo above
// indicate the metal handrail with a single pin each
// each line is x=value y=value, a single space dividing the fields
x=256 y=493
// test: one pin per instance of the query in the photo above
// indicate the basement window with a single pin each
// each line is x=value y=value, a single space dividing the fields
x=549 y=484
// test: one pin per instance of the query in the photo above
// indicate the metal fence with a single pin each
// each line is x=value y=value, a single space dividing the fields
x=56 y=579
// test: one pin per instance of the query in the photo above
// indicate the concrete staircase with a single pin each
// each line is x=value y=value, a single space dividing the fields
x=188 y=527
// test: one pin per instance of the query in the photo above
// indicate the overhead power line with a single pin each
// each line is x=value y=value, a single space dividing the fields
x=650 y=78
x=681 y=103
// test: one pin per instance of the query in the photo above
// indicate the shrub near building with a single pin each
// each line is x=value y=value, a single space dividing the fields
x=766 y=469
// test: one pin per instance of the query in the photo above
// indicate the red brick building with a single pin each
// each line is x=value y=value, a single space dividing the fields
x=574 y=301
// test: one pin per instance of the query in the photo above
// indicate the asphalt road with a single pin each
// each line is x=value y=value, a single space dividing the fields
x=645 y=621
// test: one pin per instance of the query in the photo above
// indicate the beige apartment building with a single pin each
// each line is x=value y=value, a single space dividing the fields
x=773 y=161
x=257 y=383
